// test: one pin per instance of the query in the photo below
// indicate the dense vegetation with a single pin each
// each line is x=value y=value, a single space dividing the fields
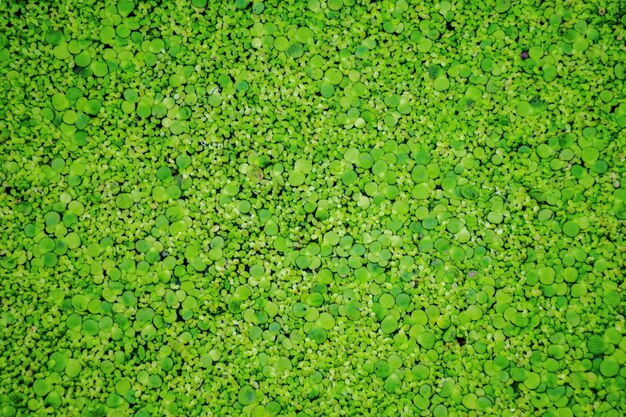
x=312 y=208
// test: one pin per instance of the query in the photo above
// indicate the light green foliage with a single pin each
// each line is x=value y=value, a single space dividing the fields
x=312 y=208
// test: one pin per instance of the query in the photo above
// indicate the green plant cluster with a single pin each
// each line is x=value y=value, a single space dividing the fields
x=312 y=208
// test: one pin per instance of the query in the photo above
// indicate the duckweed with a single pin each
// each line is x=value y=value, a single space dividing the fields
x=267 y=208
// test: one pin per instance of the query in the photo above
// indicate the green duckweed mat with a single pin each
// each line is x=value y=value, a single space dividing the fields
x=312 y=208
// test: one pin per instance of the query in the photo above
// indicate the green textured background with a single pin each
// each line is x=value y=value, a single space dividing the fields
x=312 y=208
